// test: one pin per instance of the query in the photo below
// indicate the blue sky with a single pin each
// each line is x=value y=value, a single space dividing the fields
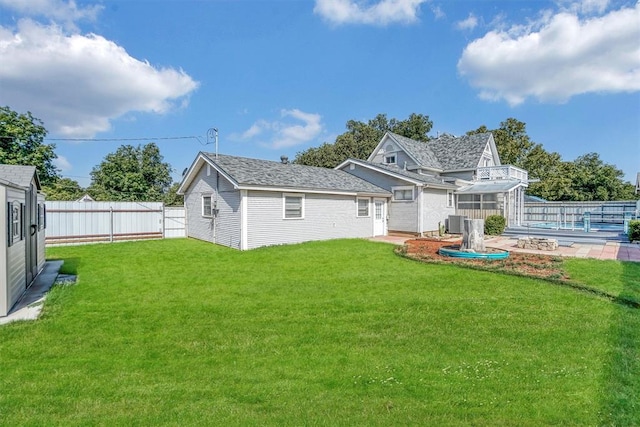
x=278 y=77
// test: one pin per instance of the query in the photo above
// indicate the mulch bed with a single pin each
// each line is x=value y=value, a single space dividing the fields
x=543 y=266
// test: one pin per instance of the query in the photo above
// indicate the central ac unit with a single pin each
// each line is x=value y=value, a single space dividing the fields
x=456 y=224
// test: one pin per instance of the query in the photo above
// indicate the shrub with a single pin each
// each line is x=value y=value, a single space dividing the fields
x=634 y=230
x=494 y=225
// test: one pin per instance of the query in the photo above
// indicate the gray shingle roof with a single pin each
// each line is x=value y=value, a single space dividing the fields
x=421 y=151
x=18 y=175
x=462 y=152
x=255 y=172
x=412 y=175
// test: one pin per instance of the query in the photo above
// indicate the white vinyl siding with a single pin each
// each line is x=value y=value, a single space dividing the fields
x=293 y=206
x=326 y=216
x=363 y=207
x=222 y=229
x=434 y=209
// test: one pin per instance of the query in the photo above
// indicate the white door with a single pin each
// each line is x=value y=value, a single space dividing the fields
x=378 y=217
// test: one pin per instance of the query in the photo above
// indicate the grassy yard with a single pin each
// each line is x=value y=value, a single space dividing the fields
x=181 y=332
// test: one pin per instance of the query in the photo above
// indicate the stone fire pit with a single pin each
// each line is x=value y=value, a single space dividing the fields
x=538 y=243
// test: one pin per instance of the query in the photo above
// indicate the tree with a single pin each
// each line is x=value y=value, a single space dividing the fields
x=131 y=173
x=512 y=141
x=22 y=143
x=63 y=189
x=361 y=138
x=593 y=179
x=172 y=198
x=586 y=178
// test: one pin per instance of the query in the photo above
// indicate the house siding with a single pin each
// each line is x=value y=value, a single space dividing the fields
x=464 y=175
x=403 y=215
x=325 y=217
x=434 y=209
x=224 y=229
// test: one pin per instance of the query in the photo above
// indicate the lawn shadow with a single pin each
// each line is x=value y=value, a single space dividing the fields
x=621 y=388
x=69 y=266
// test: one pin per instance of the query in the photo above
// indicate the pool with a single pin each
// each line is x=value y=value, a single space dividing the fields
x=578 y=225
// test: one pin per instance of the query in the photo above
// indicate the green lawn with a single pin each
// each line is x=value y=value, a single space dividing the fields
x=339 y=333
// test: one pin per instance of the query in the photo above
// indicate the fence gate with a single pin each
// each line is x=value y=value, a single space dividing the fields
x=85 y=222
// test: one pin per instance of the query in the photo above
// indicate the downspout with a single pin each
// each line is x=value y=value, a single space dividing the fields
x=420 y=210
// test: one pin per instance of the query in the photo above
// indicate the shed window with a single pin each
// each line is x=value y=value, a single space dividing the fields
x=293 y=206
x=363 y=207
x=42 y=216
x=206 y=205
x=403 y=193
x=14 y=223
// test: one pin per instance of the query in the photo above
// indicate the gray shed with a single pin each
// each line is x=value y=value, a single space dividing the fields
x=22 y=225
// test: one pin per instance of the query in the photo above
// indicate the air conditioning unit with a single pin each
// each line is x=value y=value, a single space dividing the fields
x=456 y=224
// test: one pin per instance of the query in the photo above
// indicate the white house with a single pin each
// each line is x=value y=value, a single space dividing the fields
x=404 y=186
x=246 y=203
x=22 y=224
x=445 y=176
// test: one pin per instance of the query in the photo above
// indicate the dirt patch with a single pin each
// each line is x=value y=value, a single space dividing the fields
x=543 y=266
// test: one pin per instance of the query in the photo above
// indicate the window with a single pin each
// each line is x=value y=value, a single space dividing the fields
x=293 y=206
x=42 y=218
x=402 y=193
x=450 y=199
x=390 y=159
x=15 y=218
x=363 y=207
x=206 y=205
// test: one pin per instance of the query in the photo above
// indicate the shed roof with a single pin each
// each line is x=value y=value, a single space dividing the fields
x=19 y=175
x=265 y=173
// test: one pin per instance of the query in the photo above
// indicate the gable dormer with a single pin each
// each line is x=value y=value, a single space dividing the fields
x=396 y=150
x=490 y=156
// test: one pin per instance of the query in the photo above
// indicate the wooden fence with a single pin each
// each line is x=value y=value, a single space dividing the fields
x=87 y=222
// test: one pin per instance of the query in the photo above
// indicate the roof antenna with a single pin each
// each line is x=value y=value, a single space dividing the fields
x=213 y=133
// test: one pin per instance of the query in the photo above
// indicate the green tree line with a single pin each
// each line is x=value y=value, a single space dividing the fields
x=585 y=178
x=140 y=173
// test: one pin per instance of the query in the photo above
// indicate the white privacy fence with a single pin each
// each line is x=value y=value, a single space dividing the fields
x=85 y=222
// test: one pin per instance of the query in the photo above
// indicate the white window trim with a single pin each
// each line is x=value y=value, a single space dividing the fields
x=451 y=202
x=404 y=187
x=210 y=196
x=368 y=200
x=284 y=205
x=395 y=158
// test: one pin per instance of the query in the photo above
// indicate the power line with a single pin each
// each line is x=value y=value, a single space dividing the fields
x=125 y=139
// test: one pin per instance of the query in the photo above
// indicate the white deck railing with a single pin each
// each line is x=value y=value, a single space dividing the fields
x=502 y=172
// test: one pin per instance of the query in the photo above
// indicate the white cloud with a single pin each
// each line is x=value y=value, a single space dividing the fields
x=585 y=6
x=57 y=10
x=62 y=163
x=76 y=84
x=283 y=133
x=468 y=24
x=559 y=56
x=383 y=12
